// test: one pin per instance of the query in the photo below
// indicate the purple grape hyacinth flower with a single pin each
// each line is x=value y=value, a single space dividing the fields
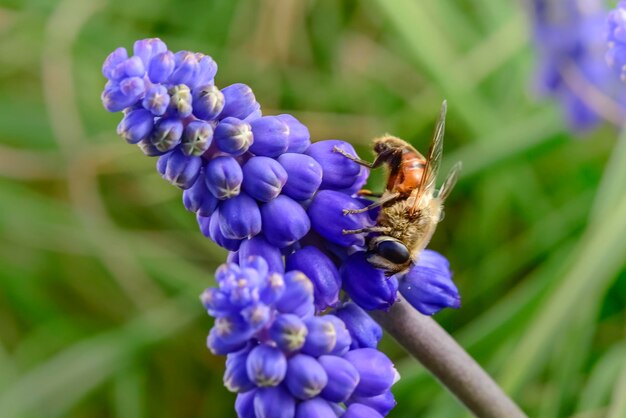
x=357 y=410
x=328 y=220
x=321 y=270
x=305 y=377
x=281 y=363
x=274 y=200
x=616 y=37
x=174 y=110
x=569 y=39
x=428 y=284
x=368 y=286
x=365 y=332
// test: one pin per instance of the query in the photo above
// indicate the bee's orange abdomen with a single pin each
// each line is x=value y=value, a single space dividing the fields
x=407 y=177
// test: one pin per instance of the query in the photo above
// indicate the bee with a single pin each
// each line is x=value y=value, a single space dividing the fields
x=411 y=206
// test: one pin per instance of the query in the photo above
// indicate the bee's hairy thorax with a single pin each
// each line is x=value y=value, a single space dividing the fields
x=413 y=229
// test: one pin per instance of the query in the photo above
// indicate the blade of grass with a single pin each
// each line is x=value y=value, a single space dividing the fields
x=602 y=378
x=500 y=46
x=129 y=394
x=568 y=360
x=452 y=16
x=512 y=141
x=429 y=46
x=613 y=185
x=64 y=379
x=598 y=258
x=596 y=261
x=8 y=371
x=541 y=238
x=617 y=408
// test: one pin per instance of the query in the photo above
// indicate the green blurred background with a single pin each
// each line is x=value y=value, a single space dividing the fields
x=101 y=266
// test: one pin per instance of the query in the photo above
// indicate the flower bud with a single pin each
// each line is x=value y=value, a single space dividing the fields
x=244 y=404
x=229 y=333
x=304 y=175
x=116 y=97
x=343 y=336
x=256 y=263
x=274 y=402
x=233 y=136
x=208 y=102
x=112 y=61
x=339 y=171
x=357 y=410
x=210 y=228
x=364 y=331
x=376 y=371
x=131 y=67
x=240 y=217
x=288 y=332
x=147 y=147
x=616 y=58
x=133 y=87
x=239 y=101
x=224 y=177
x=207 y=68
x=236 y=375
x=186 y=68
x=428 y=284
x=322 y=336
x=266 y=366
x=298 y=295
x=136 y=125
x=284 y=221
x=271 y=136
x=328 y=220
x=322 y=273
x=358 y=184
x=146 y=49
x=233 y=328
x=343 y=378
x=198 y=199
x=220 y=346
x=254 y=115
x=258 y=246
x=216 y=302
x=383 y=404
x=305 y=376
x=161 y=67
x=367 y=286
x=180 y=101
x=157 y=100
x=274 y=288
x=166 y=134
x=337 y=409
x=226 y=277
x=315 y=408
x=299 y=137
x=256 y=315
x=197 y=138
x=179 y=169
x=263 y=178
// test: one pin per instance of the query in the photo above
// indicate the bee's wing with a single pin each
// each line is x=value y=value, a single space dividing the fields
x=450 y=181
x=433 y=162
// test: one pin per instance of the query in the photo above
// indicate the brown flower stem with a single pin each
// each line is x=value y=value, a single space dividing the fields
x=432 y=346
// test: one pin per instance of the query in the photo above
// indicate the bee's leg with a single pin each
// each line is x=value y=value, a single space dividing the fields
x=369 y=193
x=383 y=157
x=355 y=159
x=386 y=199
x=374 y=228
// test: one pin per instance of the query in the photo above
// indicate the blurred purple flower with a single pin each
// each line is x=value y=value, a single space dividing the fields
x=569 y=40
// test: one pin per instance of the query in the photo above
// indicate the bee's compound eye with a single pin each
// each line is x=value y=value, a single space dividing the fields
x=394 y=251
